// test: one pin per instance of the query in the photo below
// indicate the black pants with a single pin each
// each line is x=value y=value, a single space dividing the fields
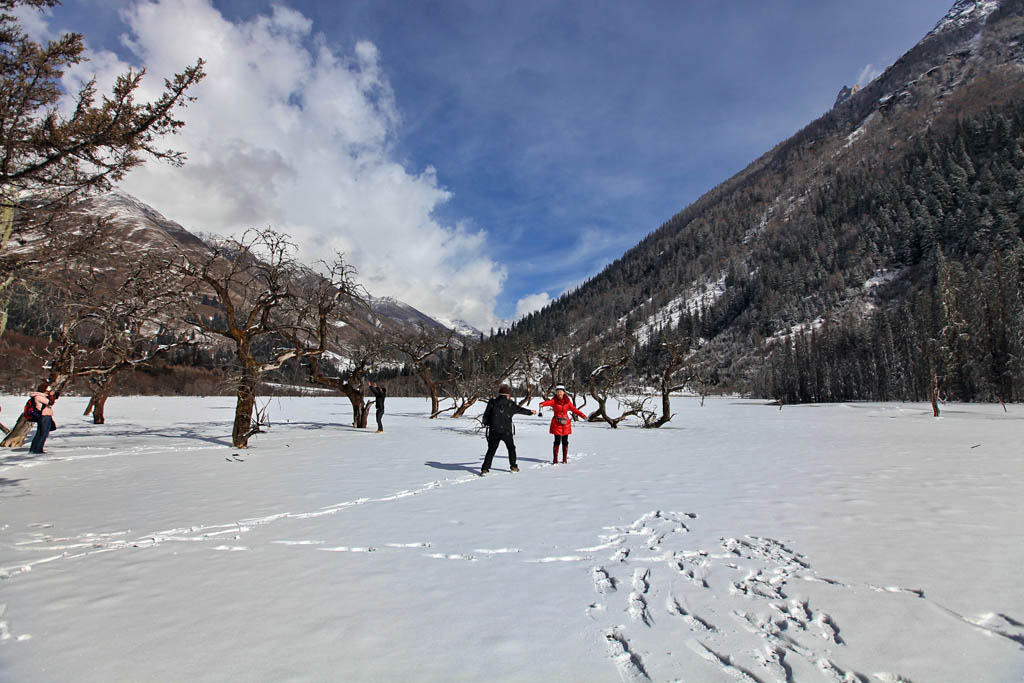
x=492 y=447
x=43 y=428
x=380 y=414
x=562 y=439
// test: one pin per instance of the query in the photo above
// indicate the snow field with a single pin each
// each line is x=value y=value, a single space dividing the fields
x=740 y=542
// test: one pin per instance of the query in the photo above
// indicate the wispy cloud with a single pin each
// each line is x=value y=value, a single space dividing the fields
x=290 y=132
x=869 y=73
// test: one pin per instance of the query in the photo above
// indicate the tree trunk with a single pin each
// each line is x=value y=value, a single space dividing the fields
x=461 y=410
x=100 y=402
x=666 y=407
x=360 y=411
x=243 y=427
x=6 y=228
x=352 y=388
x=575 y=418
x=601 y=414
x=16 y=437
x=355 y=398
x=435 y=401
x=99 y=399
x=364 y=417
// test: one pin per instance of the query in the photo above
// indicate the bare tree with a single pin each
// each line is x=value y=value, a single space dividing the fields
x=419 y=348
x=105 y=321
x=607 y=379
x=136 y=345
x=134 y=314
x=675 y=376
x=466 y=384
x=362 y=358
x=271 y=309
x=50 y=158
x=554 y=358
x=462 y=386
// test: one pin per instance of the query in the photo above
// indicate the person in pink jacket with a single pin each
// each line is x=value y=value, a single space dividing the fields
x=42 y=400
x=561 y=423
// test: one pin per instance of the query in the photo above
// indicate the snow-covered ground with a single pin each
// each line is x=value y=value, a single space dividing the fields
x=740 y=542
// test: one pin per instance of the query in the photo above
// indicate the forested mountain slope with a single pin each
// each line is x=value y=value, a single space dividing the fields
x=875 y=254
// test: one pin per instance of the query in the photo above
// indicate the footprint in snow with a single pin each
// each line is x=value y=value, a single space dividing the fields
x=697 y=587
x=454 y=556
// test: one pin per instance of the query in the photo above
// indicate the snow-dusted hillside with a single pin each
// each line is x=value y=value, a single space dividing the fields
x=140 y=227
x=866 y=542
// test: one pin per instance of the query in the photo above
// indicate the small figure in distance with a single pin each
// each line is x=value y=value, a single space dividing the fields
x=498 y=421
x=379 y=394
x=39 y=409
x=561 y=424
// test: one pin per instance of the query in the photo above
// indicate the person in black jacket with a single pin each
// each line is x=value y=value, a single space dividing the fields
x=498 y=421
x=379 y=394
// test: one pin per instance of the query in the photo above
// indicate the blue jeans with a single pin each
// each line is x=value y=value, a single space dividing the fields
x=43 y=428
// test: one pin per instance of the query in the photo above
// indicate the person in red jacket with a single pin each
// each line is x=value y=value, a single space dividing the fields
x=561 y=423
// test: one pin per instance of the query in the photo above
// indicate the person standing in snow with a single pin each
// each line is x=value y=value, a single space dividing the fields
x=40 y=404
x=498 y=421
x=561 y=423
x=379 y=394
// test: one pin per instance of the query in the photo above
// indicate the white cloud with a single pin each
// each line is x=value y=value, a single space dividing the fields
x=33 y=21
x=531 y=303
x=869 y=73
x=289 y=132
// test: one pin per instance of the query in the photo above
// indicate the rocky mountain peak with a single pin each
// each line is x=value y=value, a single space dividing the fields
x=964 y=12
x=845 y=93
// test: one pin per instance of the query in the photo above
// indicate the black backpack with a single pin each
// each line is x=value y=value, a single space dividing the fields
x=502 y=410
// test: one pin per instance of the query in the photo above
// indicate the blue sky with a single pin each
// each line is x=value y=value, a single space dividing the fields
x=482 y=156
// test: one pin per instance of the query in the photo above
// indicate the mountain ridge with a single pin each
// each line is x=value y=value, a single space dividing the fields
x=141 y=227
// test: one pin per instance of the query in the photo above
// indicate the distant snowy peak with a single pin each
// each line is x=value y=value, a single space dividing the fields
x=461 y=327
x=399 y=310
x=964 y=12
x=388 y=302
